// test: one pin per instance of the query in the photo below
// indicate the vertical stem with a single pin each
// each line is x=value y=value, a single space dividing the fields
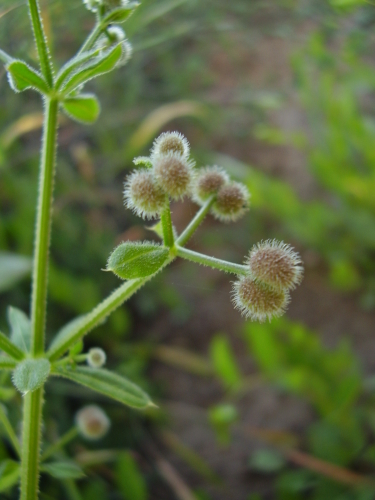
x=31 y=434
x=41 y=42
x=43 y=228
x=166 y=222
x=195 y=222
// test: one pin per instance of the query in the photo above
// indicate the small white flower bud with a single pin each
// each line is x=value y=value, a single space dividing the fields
x=92 y=5
x=143 y=195
x=232 y=202
x=96 y=357
x=208 y=182
x=92 y=422
x=174 y=174
x=275 y=263
x=258 y=301
x=170 y=142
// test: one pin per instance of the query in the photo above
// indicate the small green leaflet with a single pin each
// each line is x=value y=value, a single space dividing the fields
x=82 y=108
x=137 y=260
x=120 y=14
x=20 y=328
x=102 y=64
x=63 y=470
x=108 y=383
x=31 y=374
x=22 y=77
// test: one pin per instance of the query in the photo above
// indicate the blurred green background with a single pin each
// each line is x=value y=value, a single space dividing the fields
x=281 y=93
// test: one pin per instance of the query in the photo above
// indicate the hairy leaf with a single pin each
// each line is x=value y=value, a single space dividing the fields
x=30 y=374
x=137 y=260
x=108 y=383
x=22 y=77
x=20 y=328
x=120 y=14
x=82 y=108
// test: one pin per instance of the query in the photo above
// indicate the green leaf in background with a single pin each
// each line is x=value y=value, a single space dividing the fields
x=137 y=260
x=63 y=470
x=7 y=363
x=110 y=384
x=82 y=108
x=22 y=77
x=120 y=14
x=224 y=361
x=221 y=417
x=268 y=461
x=20 y=328
x=129 y=478
x=13 y=268
x=30 y=374
x=102 y=64
x=9 y=474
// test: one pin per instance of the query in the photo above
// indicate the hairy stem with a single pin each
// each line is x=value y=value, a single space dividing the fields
x=31 y=435
x=10 y=431
x=41 y=42
x=195 y=223
x=205 y=260
x=91 y=39
x=43 y=228
x=166 y=222
x=6 y=58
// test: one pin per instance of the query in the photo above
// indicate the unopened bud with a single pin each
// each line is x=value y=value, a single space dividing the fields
x=275 y=263
x=258 y=301
x=170 y=142
x=232 y=202
x=92 y=5
x=174 y=174
x=96 y=357
x=208 y=182
x=92 y=422
x=143 y=195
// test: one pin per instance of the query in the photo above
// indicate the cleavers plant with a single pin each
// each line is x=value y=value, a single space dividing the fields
x=261 y=290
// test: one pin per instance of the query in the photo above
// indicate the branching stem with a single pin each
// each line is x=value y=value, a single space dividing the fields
x=166 y=222
x=195 y=223
x=206 y=260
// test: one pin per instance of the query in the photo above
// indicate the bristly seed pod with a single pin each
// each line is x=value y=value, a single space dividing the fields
x=143 y=195
x=275 y=263
x=258 y=301
x=170 y=142
x=174 y=174
x=232 y=202
x=208 y=182
x=92 y=422
x=96 y=357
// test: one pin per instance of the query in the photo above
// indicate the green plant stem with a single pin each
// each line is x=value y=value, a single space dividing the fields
x=31 y=435
x=60 y=443
x=195 y=223
x=7 y=346
x=7 y=363
x=41 y=42
x=91 y=39
x=5 y=57
x=43 y=228
x=166 y=223
x=205 y=260
x=9 y=430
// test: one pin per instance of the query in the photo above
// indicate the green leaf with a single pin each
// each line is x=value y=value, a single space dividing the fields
x=120 y=14
x=20 y=328
x=129 y=478
x=110 y=384
x=9 y=474
x=7 y=363
x=137 y=260
x=102 y=64
x=7 y=346
x=82 y=108
x=31 y=374
x=22 y=77
x=268 y=461
x=63 y=470
x=224 y=361
x=13 y=268
x=74 y=64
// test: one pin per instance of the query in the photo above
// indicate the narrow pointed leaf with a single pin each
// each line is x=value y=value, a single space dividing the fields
x=137 y=260
x=7 y=346
x=108 y=383
x=102 y=64
x=75 y=64
x=22 y=77
x=31 y=374
x=120 y=14
x=7 y=363
x=63 y=470
x=82 y=108
x=20 y=328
